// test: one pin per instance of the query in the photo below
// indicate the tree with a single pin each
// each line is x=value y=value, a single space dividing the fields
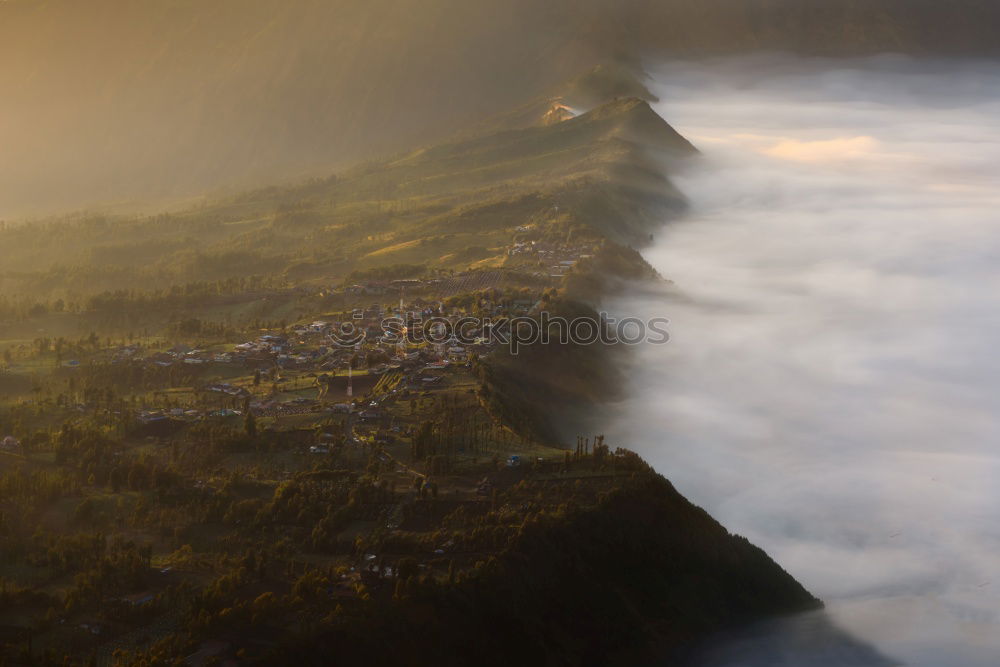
x=116 y=480
x=423 y=442
x=250 y=423
x=406 y=568
x=136 y=477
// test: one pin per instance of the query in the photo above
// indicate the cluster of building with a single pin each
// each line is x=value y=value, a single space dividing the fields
x=557 y=258
x=163 y=415
x=10 y=444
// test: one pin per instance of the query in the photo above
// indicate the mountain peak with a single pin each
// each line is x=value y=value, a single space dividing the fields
x=637 y=121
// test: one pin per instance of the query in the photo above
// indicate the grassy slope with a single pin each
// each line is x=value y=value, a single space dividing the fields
x=428 y=207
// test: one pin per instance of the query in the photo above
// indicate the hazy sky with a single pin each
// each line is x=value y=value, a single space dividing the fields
x=136 y=105
x=831 y=387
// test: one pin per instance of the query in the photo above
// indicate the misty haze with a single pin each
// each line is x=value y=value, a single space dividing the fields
x=830 y=390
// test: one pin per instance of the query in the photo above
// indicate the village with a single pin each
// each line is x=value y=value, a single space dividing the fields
x=362 y=431
x=322 y=365
x=376 y=407
x=433 y=328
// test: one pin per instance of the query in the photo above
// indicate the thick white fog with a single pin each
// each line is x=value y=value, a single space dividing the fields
x=831 y=387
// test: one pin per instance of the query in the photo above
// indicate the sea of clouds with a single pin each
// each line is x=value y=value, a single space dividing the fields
x=830 y=390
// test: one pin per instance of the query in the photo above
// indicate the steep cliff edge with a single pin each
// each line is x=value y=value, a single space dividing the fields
x=613 y=570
